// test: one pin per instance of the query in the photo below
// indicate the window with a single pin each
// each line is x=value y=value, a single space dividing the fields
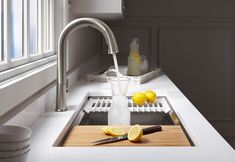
x=26 y=31
x=29 y=29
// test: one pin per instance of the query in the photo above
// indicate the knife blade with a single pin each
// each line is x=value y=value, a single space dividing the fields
x=148 y=130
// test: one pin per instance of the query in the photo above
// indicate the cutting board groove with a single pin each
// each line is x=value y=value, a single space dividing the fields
x=85 y=135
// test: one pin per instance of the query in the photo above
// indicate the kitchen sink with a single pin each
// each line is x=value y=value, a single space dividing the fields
x=94 y=112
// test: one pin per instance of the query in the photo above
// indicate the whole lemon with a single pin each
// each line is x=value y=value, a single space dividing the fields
x=139 y=98
x=151 y=96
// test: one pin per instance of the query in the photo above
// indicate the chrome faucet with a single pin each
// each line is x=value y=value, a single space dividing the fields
x=62 y=83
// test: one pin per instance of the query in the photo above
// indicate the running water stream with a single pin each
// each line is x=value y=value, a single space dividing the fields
x=115 y=63
x=117 y=72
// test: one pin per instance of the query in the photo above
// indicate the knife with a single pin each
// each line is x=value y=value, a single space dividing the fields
x=148 y=130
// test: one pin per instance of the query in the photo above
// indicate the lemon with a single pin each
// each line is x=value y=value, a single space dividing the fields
x=139 y=98
x=135 y=133
x=116 y=131
x=151 y=96
x=106 y=130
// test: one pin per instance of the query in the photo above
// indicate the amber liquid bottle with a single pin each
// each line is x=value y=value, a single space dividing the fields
x=134 y=59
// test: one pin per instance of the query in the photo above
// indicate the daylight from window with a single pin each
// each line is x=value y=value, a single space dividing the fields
x=33 y=38
x=26 y=31
x=16 y=30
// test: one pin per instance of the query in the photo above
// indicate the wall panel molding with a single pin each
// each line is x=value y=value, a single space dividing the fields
x=192 y=52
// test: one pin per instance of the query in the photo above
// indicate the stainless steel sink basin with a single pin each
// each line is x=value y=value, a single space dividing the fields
x=143 y=118
x=95 y=112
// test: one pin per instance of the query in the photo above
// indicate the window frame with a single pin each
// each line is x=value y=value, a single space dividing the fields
x=10 y=63
x=21 y=83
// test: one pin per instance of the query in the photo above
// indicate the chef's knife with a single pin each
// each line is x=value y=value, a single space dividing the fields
x=148 y=130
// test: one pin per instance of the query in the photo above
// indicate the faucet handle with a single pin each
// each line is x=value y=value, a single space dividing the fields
x=67 y=85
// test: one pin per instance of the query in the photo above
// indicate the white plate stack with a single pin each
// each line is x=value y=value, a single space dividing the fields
x=14 y=143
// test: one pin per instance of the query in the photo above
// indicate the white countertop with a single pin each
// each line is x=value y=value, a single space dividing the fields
x=210 y=146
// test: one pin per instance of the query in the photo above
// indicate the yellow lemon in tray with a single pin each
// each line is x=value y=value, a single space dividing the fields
x=135 y=133
x=151 y=96
x=139 y=98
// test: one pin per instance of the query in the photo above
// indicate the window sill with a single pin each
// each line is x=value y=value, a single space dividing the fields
x=17 y=89
x=7 y=74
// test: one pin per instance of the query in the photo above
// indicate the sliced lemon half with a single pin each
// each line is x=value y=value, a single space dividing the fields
x=135 y=133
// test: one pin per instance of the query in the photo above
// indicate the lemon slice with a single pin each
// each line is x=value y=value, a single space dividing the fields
x=151 y=96
x=106 y=130
x=116 y=131
x=135 y=133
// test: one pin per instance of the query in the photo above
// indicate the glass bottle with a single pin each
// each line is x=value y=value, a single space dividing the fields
x=134 y=59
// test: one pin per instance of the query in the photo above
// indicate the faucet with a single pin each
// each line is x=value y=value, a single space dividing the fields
x=62 y=82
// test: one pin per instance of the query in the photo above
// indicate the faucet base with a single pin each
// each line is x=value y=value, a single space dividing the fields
x=60 y=98
x=61 y=110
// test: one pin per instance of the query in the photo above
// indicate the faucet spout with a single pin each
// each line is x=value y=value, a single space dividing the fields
x=61 y=58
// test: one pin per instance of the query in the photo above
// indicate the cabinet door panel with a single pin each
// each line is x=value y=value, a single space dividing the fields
x=198 y=60
x=180 y=8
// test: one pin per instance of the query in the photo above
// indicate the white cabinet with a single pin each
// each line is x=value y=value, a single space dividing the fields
x=103 y=9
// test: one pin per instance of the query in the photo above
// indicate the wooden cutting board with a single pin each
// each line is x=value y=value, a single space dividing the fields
x=85 y=135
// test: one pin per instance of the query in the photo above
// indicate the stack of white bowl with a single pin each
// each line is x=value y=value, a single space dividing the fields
x=14 y=143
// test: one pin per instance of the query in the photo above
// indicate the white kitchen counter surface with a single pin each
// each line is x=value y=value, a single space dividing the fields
x=210 y=146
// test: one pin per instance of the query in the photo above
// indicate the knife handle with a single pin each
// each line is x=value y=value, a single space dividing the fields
x=153 y=129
